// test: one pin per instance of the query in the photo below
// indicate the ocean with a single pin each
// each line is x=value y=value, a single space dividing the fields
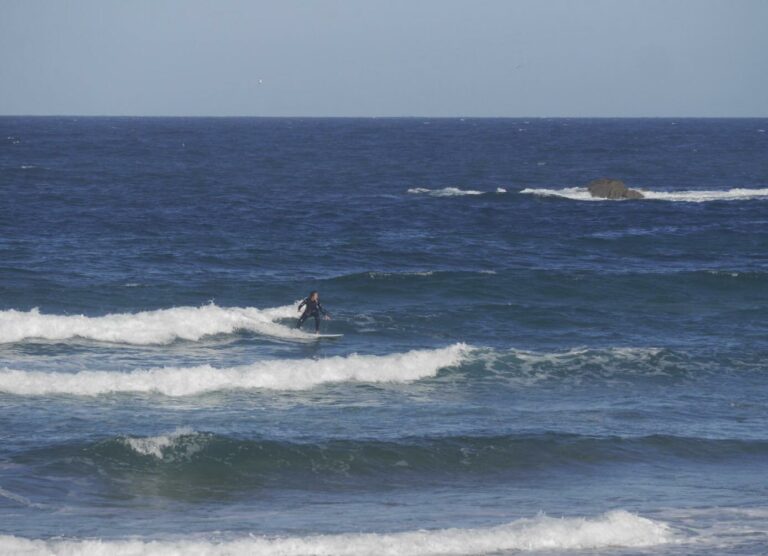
x=522 y=368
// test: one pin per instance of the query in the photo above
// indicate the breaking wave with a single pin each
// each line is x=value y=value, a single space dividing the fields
x=157 y=446
x=161 y=326
x=691 y=196
x=516 y=367
x=278 y=374
x=451 y=191
x=613 y=529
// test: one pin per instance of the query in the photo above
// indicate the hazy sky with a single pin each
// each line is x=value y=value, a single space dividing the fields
x=385 y=57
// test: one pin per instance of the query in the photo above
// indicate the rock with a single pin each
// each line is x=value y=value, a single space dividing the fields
x=612 y=189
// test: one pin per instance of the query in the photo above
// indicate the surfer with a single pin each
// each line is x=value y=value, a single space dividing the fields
x=312 y=309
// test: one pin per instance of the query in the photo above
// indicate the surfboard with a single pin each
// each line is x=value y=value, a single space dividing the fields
x=328 y=336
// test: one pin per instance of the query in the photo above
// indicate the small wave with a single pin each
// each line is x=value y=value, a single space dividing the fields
x=613 y=529
x=242 y=463
x=654 y=231
x=411 y=455
x=374 y=275
x=409 y=274
x=161 y=326
x=24 y=501
x=523 y=368
x=155 y=446
x=582 y=363
x=724 y=273
x=279 y=374
x=691 y=196
x=444 y=192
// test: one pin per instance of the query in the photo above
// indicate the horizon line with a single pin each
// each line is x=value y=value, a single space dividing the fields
x=411 y=117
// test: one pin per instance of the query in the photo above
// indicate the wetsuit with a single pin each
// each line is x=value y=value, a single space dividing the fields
x=313 y=309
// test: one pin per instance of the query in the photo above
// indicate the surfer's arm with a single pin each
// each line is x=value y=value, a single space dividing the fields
x=325 y=313
x=302 y=304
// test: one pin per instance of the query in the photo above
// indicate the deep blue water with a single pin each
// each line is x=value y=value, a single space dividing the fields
x=506 y=353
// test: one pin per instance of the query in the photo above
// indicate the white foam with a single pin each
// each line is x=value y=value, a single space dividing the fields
x=278 y=374
x=691 y=196
x=575 y=193
x=613 y=529
x=148 y=327
x=444 y=192
x=155 y=445
x=701 y=196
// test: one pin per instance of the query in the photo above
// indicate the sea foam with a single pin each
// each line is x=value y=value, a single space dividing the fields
x=613 y=529
x=155 y=446
x=278 y=374
x=162 y=326
x=691 y=196
x=444 y=192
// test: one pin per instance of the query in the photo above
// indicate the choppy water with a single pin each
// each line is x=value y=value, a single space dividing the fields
x=520 y=369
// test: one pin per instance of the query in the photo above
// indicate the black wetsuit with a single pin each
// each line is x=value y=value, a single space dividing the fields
x=313 y=309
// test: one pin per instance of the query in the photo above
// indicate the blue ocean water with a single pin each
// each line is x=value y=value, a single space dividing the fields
x=522 y=368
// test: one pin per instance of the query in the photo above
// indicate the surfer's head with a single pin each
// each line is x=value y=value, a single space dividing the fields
x=313 y=295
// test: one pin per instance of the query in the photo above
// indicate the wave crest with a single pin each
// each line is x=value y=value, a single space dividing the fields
x=434 y=455
x=278 y=374
x=450 y=191
x=158 y=446
x=161 y=326
x=613 y=529
x=691 y=196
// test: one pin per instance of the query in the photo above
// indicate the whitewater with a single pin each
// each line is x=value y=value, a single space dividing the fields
x=691 y=196
x=161 y=326
x=614 y=529
x=451 y=191
x=284 y=374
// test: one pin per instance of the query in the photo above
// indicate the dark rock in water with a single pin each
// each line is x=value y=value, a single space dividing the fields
x=612 y=189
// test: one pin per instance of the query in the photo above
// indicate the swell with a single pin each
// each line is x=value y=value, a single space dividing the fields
x=613 y=529
x=223 y=459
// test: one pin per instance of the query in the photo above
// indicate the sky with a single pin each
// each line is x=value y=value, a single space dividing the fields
x=485 y=58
